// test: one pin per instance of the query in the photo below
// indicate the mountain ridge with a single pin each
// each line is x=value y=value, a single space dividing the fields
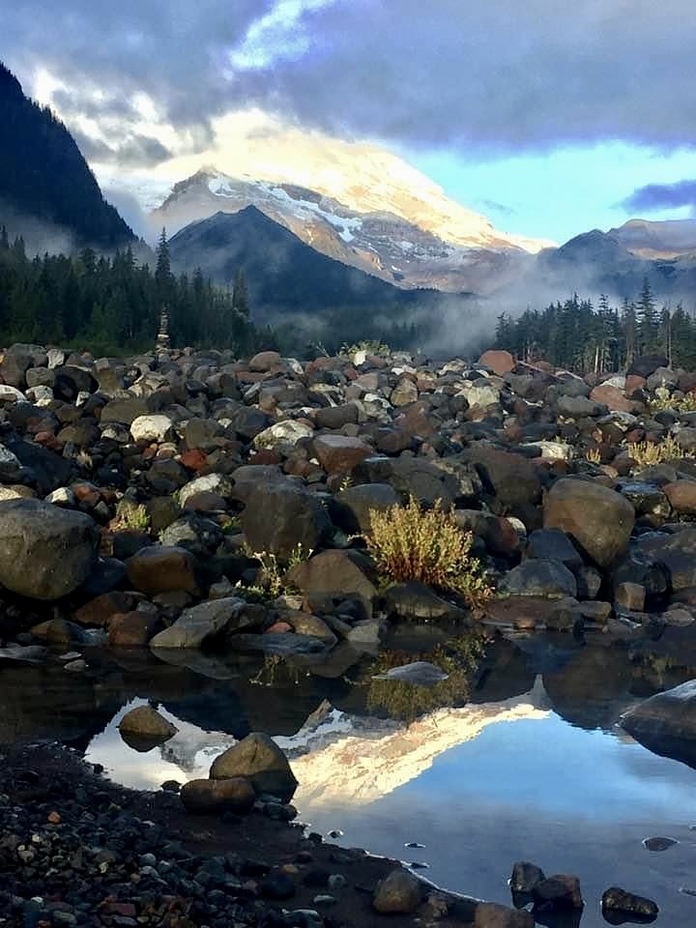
x=47 y=190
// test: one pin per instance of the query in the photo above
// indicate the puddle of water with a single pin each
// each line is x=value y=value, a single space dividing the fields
x=515 y=783
x=542 y=776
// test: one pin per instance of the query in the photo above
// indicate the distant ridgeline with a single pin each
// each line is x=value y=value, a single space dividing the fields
x=112 y=305
x=580 y=336
x=45 y=179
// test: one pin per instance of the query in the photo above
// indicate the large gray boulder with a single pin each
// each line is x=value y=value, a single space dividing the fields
x=195 y=625
x=598 y=519
x=143 y=728
x=676 y=554
x=45 y=552
x=666 y=723
x=284 y=518
x=258 y=758
x=540 y=577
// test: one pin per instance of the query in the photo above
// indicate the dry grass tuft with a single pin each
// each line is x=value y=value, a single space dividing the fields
x=650 y=453
x=408 y=543
x=679 y=402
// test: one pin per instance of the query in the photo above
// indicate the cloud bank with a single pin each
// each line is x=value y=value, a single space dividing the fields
x=492 y=79
x=654 y=197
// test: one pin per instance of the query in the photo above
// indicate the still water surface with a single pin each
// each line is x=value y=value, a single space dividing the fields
x=533 y=768
x=536 y=789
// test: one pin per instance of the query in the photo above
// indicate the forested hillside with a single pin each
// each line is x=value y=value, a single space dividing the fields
x=43 y=176
x=578 y=335
x=111 y=304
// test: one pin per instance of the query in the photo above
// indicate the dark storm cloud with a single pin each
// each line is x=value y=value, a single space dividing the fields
x=662 y=196
x=501 y=76
x=134 y=151
x=170 y=49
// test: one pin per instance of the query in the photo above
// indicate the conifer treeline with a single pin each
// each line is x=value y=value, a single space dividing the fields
x=580 y=336
x=113 y=304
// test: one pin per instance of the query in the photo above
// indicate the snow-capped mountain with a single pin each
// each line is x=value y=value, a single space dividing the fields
x=353 y=201
x=379 y=241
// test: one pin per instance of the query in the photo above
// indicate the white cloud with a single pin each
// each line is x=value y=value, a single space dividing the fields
x=277 y=35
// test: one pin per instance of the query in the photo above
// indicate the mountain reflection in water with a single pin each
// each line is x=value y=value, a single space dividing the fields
x=532 y=767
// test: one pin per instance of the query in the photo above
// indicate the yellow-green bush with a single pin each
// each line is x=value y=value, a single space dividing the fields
x=649 y=453
x=663 y=399
x=408 y=543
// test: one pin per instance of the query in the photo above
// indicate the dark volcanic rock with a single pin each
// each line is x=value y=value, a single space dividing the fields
x=619 y=901
x=666 y=723
x=283 y=518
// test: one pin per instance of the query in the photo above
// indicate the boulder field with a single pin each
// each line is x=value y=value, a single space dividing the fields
x=190 y=502
x=186 y=499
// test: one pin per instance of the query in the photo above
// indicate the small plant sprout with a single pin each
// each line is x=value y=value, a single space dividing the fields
x=130 y=517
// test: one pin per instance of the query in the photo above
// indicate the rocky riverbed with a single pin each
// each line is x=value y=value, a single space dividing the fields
x=199 y=505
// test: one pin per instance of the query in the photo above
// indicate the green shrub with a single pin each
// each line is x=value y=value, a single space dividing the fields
x=408 y=543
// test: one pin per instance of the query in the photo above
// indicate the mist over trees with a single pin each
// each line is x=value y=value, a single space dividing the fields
x=578 y=335
x=113 y=304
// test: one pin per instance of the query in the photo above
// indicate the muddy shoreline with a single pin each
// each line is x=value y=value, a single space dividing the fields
x=84 y=848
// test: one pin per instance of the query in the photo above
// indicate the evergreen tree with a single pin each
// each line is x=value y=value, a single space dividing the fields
x=240 y=294
x=647 y=320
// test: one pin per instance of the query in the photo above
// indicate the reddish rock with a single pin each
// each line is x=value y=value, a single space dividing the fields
x=48 y=440
x=418 y=420
x=132 y=629
x=500 y=362
x=613 y=398
x=213 y=797
x=339 y=453
x=266 y=457
x=195 y=460
x=279 y=628
x=86 y=493
x=98 y=611
x=266 y=361
x=634 y=382
x=160 y=569
x=681 y=495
